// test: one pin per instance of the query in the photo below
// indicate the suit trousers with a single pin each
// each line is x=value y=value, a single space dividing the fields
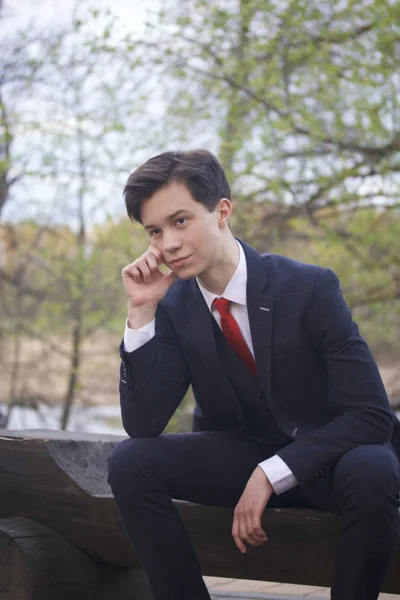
x=212 y=468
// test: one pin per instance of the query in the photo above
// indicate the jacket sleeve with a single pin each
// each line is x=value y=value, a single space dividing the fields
x=154 y=380
x=356 y=387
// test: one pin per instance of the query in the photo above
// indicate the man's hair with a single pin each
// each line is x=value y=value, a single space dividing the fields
x=199 y=170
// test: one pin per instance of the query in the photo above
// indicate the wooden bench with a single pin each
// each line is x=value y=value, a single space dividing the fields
x=61 y=536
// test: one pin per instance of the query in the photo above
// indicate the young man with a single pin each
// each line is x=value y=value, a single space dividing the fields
x=290 y=406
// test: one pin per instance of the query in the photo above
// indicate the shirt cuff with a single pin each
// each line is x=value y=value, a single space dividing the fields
x=134 y=338
x=280 y=476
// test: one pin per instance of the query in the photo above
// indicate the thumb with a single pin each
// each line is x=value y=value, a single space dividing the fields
x=171 y=277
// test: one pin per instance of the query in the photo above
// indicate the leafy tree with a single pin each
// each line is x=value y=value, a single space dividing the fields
x=83 y=119
x=22 y=72
x=301 y=102
x=303 y=98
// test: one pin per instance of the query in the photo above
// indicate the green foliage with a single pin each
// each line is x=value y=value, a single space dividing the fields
x=299 y=99
x=363 y=248
x=303 y=98
x=61 y=285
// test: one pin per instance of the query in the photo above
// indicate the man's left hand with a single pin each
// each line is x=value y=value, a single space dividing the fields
x=246 y=525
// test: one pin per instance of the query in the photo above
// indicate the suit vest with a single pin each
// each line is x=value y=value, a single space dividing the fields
x=259 y=421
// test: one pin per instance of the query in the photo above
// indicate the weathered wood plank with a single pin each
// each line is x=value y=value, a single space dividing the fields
x=62 y=483
x=55 y=434
x=35 y=559
x=38 y=564
x=300 y=545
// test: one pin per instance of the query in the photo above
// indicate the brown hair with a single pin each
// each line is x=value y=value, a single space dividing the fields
x=199 y=170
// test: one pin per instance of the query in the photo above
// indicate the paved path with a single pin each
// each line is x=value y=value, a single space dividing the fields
x=241 y=589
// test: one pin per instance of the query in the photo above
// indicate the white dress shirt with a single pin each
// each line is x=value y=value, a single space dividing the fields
x=277 y=471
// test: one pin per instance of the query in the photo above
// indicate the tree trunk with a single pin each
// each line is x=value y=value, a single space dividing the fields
x=80 y=281
x=74 y=370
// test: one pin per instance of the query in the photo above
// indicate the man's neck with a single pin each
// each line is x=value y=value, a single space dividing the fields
x=219 y=275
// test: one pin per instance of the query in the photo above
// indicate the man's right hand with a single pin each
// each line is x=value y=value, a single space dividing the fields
x=145 y=286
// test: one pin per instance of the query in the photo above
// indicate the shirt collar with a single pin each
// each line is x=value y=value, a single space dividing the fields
x=235 y=291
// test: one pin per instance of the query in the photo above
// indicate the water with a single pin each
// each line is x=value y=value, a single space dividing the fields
x=83 y=419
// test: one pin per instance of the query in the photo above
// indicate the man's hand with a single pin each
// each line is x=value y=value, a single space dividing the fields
x=145 y=286
x=144 y=282
x=248 y=512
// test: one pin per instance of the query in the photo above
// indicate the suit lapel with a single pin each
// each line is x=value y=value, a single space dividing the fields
x=260 y=311
x=204 y=339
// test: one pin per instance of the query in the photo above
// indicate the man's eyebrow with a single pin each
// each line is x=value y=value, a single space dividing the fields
x=169 y=218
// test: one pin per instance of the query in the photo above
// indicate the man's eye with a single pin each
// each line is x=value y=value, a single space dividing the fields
x=154 y=232
x=181 y=220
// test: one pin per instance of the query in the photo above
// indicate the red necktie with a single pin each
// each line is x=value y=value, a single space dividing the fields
x=234 y=335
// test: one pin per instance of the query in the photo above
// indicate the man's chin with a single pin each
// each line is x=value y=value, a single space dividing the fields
x=187 y=273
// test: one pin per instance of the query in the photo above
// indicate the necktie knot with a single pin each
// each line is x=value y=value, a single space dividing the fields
x=222 y=305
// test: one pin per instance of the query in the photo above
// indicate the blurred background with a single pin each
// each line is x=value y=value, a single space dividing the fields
x=300 y=100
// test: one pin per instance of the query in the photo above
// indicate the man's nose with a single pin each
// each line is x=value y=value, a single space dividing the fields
x=171 y=241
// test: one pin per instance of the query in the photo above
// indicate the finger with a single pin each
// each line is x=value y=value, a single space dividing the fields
x=172 y=276
x=246 y=530
x=151 y=261
x=131 y=272
x=243 y=531
x=144 y=269
x=239 y=543
x=254 y=525
x=255 y=540
x=135 y=274
x=257 y=528
x=157 y=253
x=235 y=534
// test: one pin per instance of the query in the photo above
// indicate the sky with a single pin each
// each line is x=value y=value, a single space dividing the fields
x=18 y=14
x=132 y=12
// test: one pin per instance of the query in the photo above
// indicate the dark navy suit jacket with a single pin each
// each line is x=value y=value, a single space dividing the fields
x=317 y=372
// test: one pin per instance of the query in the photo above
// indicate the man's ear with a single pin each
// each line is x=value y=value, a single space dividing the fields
x=224 y=211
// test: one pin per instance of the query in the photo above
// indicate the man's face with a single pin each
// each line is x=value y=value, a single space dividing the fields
x=188 y=235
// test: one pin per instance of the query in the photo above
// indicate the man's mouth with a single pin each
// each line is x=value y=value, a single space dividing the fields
x=179 y=261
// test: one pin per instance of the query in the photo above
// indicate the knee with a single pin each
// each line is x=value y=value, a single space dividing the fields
x=369 y=480
x=128 y=460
